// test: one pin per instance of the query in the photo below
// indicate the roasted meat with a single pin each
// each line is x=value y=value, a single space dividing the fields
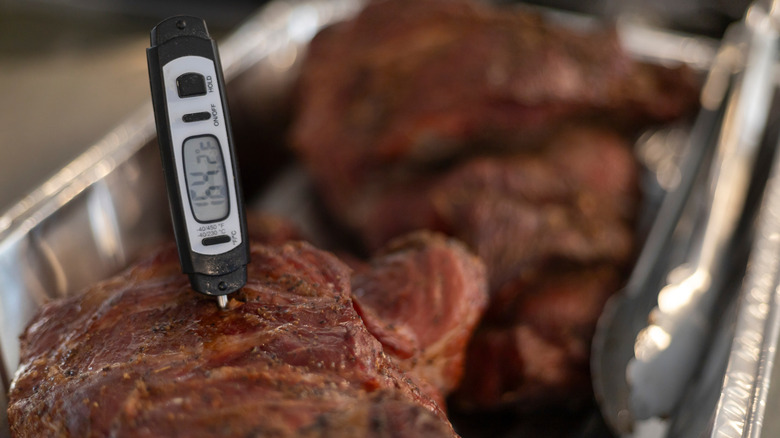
x=141 y=354
x=415 y=83
x=510 y=133
x=421 y=297
x=555 y=229
x=535 y=344
x=575 y=198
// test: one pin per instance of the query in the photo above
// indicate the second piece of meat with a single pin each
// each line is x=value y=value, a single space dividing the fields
x=422 y=297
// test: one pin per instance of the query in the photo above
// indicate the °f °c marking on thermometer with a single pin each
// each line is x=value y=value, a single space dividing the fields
x=198 y=157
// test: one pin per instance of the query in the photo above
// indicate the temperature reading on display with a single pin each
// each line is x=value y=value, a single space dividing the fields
x=204 y=169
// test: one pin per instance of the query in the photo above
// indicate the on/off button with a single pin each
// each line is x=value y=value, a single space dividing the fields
x=215 y=240
x=191 y=85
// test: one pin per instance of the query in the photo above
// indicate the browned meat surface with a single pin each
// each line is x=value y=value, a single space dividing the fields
x=573 y=199
x=422 y=297
x=142 y=355
x=507 y=132
x=418 y=82
x=570 y=205
x=534 y=347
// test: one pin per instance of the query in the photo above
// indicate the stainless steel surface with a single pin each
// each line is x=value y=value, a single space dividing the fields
x=750 y=394
x=641 y=370
x=76 y=229
x=668 y=349
x=626 y=313
x=743 y=397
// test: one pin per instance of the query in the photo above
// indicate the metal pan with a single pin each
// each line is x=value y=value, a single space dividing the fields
x=108 y=206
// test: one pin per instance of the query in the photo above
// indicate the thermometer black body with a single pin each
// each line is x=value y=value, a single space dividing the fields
x=196 y=146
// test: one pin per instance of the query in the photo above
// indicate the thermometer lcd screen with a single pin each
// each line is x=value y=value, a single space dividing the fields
x=204 y=169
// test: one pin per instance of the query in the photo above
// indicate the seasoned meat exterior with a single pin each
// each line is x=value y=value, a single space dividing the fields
x=573 y=199
x=535 y=344
x=509 y=133
x=554 y=227
x=143 y=355
x=421 y=297
x=416 y=83
x=565 y=210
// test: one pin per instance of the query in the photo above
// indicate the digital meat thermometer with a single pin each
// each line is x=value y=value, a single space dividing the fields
x=193 y=132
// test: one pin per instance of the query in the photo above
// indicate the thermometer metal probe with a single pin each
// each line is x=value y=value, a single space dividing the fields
x=196 y=147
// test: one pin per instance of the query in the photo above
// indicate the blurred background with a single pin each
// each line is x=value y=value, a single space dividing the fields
x=72 y=70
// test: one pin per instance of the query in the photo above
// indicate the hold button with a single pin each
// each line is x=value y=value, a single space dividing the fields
x=191 y=85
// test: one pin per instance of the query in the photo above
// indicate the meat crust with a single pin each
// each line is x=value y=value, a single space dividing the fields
x=533 y=349
x=414 y=83
x=421 y=297
x=575 y=198
x=142 y=355
x=504 y=131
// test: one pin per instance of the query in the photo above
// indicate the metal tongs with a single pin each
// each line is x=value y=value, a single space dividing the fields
x=649 y=339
